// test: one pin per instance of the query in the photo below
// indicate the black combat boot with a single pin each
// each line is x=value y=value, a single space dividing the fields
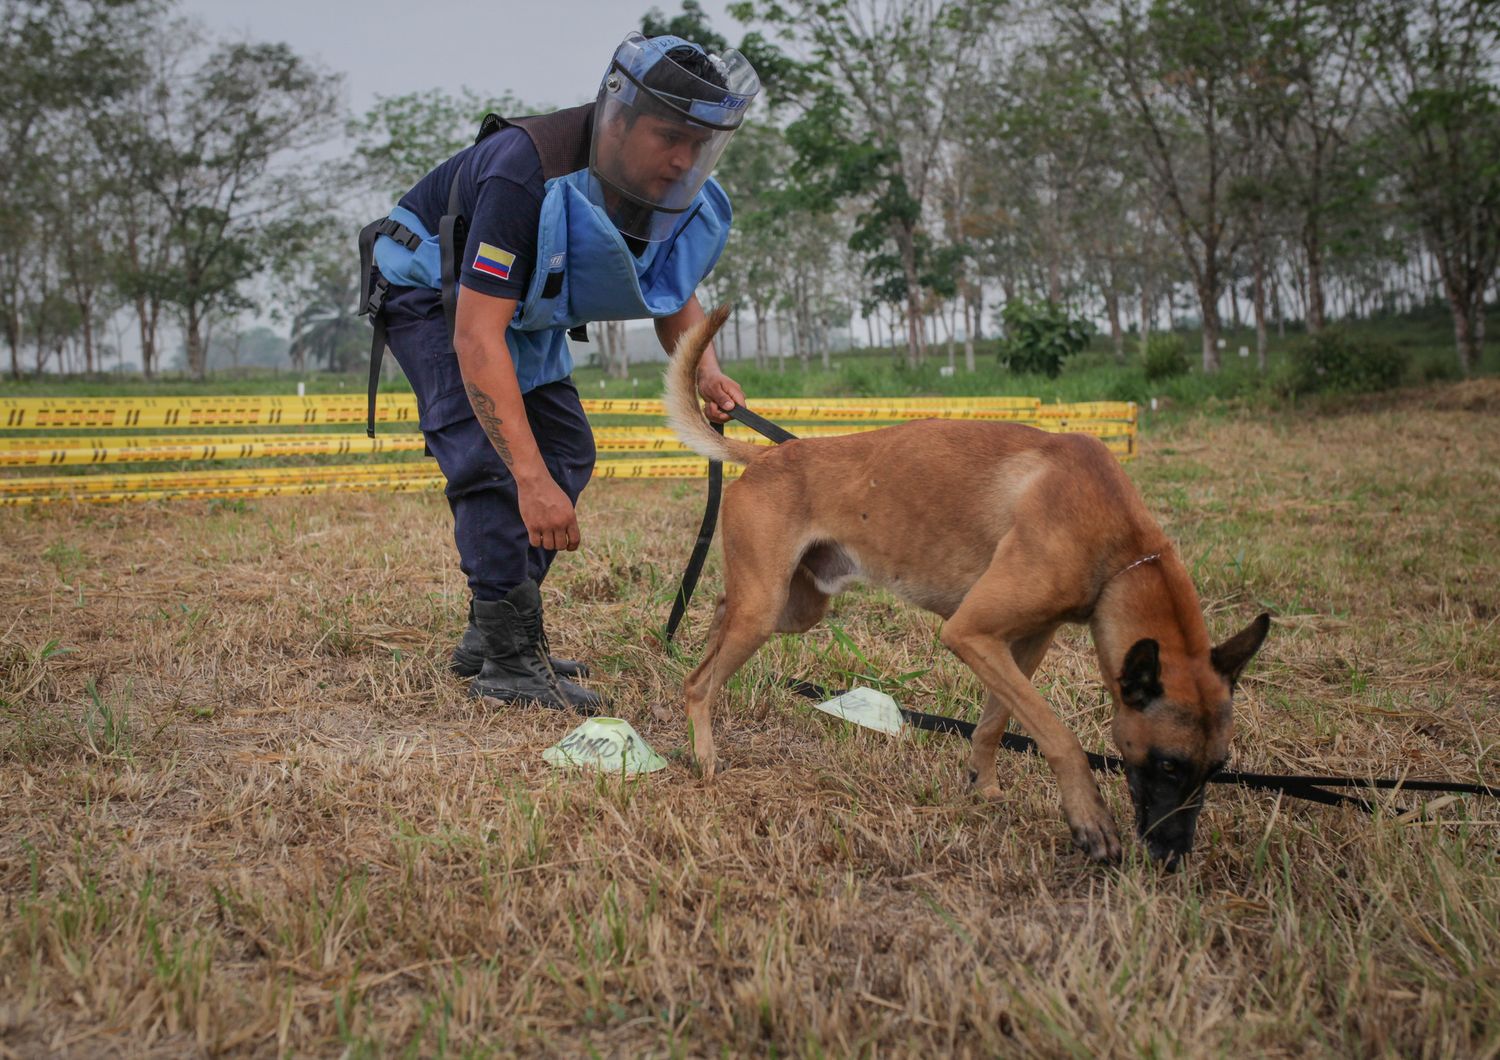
x=468 y=657
x=515 y=668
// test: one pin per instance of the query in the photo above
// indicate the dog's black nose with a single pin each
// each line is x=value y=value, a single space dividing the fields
x=1168 y=857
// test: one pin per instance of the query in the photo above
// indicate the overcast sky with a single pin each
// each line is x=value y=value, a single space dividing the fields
x=548 y=51
x=544 y=51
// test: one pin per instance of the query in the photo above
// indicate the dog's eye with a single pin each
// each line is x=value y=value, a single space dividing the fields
x=1167 y=766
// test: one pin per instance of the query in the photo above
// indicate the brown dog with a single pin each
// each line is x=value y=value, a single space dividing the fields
x=1006 y=532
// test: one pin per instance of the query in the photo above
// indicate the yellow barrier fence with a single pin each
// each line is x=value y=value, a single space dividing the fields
x=288 y=481
x=122 y=432
x=40 y=414
x=123 y=449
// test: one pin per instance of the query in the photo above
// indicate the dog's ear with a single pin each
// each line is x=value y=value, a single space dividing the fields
x=1140 y=679
x=1231 y=657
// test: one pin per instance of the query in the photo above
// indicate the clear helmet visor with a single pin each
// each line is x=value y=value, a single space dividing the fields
x=660 y=129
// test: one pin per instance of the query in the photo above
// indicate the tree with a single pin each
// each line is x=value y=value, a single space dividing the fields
x=1439 y=131
x=876 y=92
x=51 y=48
x=753 y=173
x=216 y=158
x=1176 y=72
x=399 y=139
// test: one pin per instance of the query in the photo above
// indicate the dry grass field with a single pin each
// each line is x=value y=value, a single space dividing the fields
x=243 y=809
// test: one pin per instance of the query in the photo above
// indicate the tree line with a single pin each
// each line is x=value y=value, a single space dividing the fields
x=1278 y=159
x=916 y=166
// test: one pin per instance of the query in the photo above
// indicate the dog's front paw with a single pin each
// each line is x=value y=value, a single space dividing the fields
x=988 y=790
x=1099 y=841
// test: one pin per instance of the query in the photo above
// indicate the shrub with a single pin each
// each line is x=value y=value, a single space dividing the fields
x=1039 y=336
x=1165 y=356
x=1335 y=360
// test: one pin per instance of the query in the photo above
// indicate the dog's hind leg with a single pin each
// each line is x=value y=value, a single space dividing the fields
x=757 y=581
x=742 y=625
x=1028 y=653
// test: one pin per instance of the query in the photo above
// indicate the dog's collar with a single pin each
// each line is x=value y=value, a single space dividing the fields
x=1137 y=563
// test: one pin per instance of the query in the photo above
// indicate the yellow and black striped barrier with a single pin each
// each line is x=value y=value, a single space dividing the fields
x=124 y=449
x=138 y=413
x=129 y=431
x=286 y=481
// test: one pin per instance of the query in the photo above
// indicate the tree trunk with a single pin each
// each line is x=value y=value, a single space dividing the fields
x=970 y=313
x=193 y=336
x=739 y=349
x=1208 y=303
x=907 y=245
x=760 y=336
x=1148 y=307
x=1112 y=309
x=146 y=319
x=13 y=340
x=824 y=350
x=1466 y=331
x=622 y=348
x=1313 y=247
x=951 y=322
x=1260 y=306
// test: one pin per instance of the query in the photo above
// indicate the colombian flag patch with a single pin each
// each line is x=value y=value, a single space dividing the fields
x=492 y=261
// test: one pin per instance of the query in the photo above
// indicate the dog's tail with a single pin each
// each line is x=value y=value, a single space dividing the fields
x=681 y=400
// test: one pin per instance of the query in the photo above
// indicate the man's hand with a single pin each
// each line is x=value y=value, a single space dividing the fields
x=550 y=520
x=490 y=381
x=719 y=393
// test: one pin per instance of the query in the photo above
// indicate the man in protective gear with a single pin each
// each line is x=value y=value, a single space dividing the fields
x=547 y=223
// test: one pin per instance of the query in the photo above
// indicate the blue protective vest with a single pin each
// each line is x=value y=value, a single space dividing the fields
x=584 y=271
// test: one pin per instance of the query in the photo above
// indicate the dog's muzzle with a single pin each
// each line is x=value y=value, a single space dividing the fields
x=1166 y=813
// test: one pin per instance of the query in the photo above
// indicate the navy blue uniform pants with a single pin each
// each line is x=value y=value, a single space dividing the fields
x=494 y=549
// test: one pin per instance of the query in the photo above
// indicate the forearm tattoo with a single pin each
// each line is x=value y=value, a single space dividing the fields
x=489 y=419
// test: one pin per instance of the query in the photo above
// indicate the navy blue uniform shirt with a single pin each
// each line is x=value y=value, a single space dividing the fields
x=500 y=191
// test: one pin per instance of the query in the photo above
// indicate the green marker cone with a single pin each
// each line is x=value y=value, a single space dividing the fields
x=608 y=744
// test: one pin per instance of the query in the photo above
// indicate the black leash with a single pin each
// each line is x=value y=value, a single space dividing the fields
x=1309 y=788
x=711 y=513
x=700 y=547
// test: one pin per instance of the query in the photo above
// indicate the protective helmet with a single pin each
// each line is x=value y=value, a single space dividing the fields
x=666 y=111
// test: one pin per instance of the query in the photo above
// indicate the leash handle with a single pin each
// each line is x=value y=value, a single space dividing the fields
x=762 y=426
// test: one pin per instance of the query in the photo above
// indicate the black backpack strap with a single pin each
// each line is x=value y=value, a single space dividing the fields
x=377 y=356
x=453 y=236
x=490 y=124
x=373 y=289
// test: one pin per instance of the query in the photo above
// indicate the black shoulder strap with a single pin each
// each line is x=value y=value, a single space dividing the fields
x=453 y=235
x=372 y=292
x=561 y=140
